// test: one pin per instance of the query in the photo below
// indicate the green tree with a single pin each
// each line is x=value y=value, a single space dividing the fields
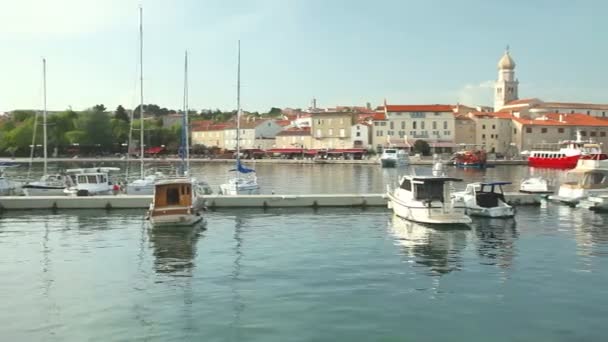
x=423 y=147
x=76 y=136
x=275 y=112
x=58 y=125
x=97 y=127
x=120 y=130
x=99 y=108
x=22 y=115
x=121 y=114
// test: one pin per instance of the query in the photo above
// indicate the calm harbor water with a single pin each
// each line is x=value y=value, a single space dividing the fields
x=306 y=275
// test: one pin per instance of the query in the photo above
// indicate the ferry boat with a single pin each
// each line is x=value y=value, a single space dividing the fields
x=590 y=177
x=485 y=199
x=567 y=155
x=470 y=157
x=428 y=200
x=392 y=157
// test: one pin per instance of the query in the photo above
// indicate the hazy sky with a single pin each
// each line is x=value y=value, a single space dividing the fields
x=343 y=52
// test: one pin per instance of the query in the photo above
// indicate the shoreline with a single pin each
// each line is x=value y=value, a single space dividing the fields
x=256 y=161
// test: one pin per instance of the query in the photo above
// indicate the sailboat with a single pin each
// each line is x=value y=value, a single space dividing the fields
x=48 y=185
x=179 y=201
x=244 y=181
x=145 y=184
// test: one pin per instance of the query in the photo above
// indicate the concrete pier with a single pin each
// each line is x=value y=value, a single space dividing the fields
x=217 y=201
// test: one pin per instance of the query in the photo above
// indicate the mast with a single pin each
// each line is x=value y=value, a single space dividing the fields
x=185 y=128
x=141 y=92
x=238 y=105
x=44 y=115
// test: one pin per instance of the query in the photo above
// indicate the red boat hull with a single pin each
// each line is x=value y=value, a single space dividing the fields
x=563 y=162
x=554 y=163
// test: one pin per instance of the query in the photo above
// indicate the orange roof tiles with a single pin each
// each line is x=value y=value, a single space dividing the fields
x=553 y=119
x=419 y=108
x=295 y=131
x=379 y=116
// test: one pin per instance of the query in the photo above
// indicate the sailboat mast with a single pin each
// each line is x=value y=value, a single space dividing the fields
x=44 y=115
x=238 y=104
x=185 y=128
x=141 y=92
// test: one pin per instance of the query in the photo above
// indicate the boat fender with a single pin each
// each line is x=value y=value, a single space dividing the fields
x=108 y=206
x=54 y=207
x=315 y=204
x=265 y=205
x=364 y=204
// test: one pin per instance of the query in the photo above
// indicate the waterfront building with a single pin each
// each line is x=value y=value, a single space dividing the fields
x=332 y=129
x=464 y=130
x=254 y=134
x=405 y=124
x=552 y=128
x=361 y=135
x=209 y=136
x=492 y=130
x=294 y=137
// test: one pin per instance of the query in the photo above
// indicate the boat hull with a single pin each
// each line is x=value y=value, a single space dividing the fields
x=568 y=162
x=496 y=212
x=175 y=220
x=39 y=190
x=147 y=189
x=230 y=190
x=388 y=162
x=433 y=215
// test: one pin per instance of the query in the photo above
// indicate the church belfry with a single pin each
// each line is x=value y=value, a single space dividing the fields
x=505 y=88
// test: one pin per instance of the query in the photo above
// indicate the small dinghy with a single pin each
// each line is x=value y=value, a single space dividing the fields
x=485 y=199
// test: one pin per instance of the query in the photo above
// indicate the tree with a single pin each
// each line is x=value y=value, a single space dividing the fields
x=58 y=125
x=97 y=127
x=275 y=111
x=99 y=108
x=423 y=147
x=121 y=114
x=120 y=130
x=22 y=115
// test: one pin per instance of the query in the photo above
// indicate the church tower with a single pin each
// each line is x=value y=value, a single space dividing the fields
x=505 y=89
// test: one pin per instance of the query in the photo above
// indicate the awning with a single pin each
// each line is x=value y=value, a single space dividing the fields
x=155 y=150
x=349 y=150
x=285 y=150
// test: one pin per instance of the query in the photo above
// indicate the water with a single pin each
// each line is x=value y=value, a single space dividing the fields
x=305 y=275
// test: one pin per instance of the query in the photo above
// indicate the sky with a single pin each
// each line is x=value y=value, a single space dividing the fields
x=341 y=52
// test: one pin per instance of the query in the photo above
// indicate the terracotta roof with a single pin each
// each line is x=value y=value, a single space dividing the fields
x=379 y=116
x=574 y=105
x=283 y=123
x=215 y=127
x=462 y=117
x=295 y=132
x=523 y=101
x=419 y=108
x=498 y=115
x=553 y=119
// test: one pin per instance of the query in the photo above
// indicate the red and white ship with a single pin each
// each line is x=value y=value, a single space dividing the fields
x=567 y=156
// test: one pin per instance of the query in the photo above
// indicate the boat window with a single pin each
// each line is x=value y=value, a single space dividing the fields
x=429 y=191
x=391 y=151
x=594 y=179
x=82 y=179
x=187 y=190
x=103 y=179
x=172 y=196
x=91 y=179
x=406 y=185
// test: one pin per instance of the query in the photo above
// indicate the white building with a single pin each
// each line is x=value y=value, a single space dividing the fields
x=254 y=134
x=361 y=135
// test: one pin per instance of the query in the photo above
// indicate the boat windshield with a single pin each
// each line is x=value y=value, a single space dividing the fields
x=429 y=191
x=590 y=179
x=390 y=151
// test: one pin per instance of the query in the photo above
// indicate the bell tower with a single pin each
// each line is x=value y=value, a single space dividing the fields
x=505 y=88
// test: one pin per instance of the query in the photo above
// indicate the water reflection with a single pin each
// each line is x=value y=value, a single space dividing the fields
x=440 y=250
x=496 y=240
x=174 y=249
x=590 y=231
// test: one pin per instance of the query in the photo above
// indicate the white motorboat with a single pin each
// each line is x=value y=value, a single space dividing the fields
x=243 y=181
x=48 y=185
x=179 y=201
x=485 y=199
x=596 y=202
x=590 y=177
x=144 y=186
x=536 y=185
x=393 y=157
x=90 y=181
x=427 y=199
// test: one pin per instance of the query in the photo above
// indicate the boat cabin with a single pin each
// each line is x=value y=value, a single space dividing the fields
x=487 y=194
x=173 y=194
x=427 y=189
